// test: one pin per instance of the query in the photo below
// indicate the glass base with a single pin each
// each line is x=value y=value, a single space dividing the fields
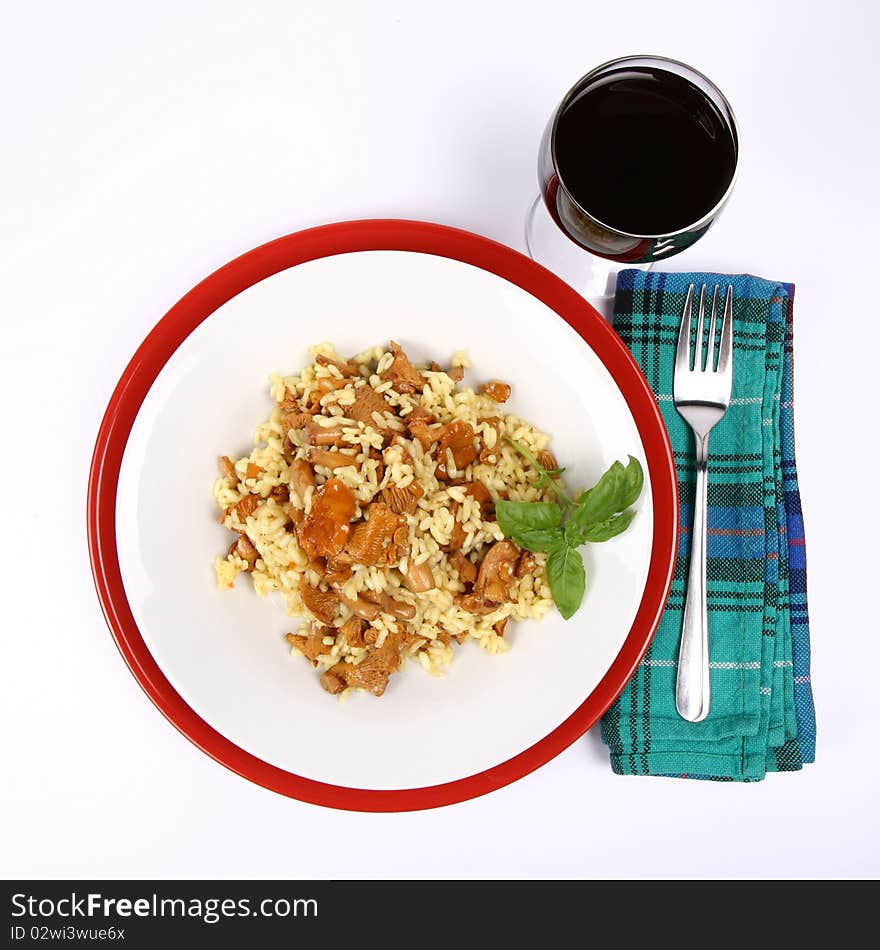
x=592 y=277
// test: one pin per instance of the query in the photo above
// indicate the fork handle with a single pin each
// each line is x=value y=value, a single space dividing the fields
x=692 y=685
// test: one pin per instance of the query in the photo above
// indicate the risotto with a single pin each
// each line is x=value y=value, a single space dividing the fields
x=367 y=504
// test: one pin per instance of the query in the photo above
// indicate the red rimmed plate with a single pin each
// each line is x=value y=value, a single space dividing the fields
x=215 y=664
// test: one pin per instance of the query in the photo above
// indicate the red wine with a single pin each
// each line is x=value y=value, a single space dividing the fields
x=644 y=151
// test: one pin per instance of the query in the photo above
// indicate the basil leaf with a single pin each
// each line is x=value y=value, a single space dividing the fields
x=633 y=479
x=539 y=539
x=616 y=490
x=610 y=528
x=514 y=517
x=565 y=572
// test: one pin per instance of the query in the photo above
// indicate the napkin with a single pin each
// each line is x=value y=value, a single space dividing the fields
x=761 y=716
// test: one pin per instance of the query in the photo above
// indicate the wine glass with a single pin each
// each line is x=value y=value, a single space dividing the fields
x=634 y=166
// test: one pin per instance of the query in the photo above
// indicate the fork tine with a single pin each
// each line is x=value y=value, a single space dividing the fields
x=725 y=349
x=698 y=343
x=710 y=346
x=683 y=350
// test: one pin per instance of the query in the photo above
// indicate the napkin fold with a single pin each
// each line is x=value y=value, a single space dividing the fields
x=761 y=717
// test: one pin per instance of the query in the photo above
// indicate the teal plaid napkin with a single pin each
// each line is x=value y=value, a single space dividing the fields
x=761 y=716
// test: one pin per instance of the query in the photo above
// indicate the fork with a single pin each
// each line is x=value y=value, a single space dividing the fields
x=701 y=392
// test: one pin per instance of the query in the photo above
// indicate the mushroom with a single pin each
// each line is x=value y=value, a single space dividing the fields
x=418 y=577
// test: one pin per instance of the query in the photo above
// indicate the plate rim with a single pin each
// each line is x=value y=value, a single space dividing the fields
x=196 y=306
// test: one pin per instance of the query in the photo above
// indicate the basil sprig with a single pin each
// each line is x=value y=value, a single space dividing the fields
x=559 y=528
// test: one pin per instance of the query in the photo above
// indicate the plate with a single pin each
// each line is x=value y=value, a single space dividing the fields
x=215 y=662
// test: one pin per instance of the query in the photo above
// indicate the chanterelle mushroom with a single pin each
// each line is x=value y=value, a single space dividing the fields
x=325 y=529
x=493 y=579
x=372 y=674
x=403 y=375
x=458 y=438
x=418 y=577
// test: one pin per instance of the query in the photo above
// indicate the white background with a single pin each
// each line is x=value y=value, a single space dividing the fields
x=144 y=145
